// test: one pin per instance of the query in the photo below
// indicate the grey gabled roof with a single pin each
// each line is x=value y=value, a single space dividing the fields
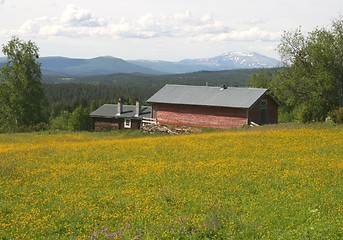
x=208 y=96
x=129 y=111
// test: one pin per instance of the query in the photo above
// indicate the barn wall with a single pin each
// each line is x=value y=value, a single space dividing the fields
x=199 y=116
x=272 y=111
x=101 y=124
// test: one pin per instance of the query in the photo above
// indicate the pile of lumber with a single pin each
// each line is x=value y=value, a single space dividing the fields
x=167 y=129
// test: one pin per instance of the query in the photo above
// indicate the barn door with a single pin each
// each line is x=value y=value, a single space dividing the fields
x=263 y=117
x=263 y=111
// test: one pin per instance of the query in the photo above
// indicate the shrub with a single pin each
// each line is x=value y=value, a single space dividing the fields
x=80 y=119
x=337 y=115
x=61 y=122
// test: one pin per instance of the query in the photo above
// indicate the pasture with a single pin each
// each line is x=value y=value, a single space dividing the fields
x=262 y=183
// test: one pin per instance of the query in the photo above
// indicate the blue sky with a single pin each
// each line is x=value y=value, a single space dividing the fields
x=160 y=30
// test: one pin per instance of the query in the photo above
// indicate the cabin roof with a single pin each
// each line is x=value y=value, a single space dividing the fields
x=129 y=111
x=235 y=97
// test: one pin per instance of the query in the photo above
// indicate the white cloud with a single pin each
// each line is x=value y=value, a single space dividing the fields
x=2 y=2
x=252 y=34
x=74 y=22
x=30 y=27
x=255 y=33
x=184 y=17
x=77 y=22
x=178 y=25
x=256 y=21
x=75 y=16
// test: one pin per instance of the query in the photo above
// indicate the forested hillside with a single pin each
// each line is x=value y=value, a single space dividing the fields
x=69 y=93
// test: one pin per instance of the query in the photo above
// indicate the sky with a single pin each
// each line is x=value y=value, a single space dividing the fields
x=160 y=30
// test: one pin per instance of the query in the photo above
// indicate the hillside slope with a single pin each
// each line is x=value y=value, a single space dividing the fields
x=87 y=67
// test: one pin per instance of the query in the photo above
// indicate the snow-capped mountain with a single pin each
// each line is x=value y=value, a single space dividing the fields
x=226 y=61
x=109 y=65
x=243 y=60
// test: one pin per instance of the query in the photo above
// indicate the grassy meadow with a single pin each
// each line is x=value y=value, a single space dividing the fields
x=261 y=183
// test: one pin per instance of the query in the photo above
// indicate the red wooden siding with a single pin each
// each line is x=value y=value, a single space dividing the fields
x=199 y=116
x=272 y=111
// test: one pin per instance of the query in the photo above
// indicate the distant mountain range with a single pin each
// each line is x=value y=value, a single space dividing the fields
x=62 y=66
x=88 y=67
x=226 y=61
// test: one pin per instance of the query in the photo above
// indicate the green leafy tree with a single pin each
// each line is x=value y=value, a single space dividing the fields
x=61 y=122
x=21 y=96
x=262 y=79
x=337 y=47
x=311 y=83
x=80 y=119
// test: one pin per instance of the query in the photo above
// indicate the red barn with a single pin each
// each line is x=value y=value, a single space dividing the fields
x=213 y=107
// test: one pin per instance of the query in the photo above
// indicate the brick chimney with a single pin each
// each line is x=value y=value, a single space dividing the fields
x=138 y=108
x=119 y=107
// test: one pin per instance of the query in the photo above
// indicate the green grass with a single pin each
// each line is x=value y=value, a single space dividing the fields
x=272 y=182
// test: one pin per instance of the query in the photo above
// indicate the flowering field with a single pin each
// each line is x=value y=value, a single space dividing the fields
x=252 y=184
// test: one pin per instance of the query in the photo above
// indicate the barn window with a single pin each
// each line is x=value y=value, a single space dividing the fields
x=263 y=104
x=127 y=123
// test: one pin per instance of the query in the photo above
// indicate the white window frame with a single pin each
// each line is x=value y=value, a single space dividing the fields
x=127 y=123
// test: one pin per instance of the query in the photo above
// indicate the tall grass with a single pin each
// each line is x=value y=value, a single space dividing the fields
x=270 y=184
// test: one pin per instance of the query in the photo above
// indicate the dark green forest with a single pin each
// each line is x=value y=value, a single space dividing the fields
x=67 y=94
